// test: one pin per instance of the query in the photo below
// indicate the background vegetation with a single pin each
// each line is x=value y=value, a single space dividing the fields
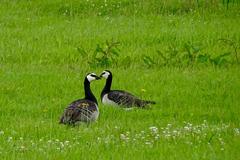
x=182 y=54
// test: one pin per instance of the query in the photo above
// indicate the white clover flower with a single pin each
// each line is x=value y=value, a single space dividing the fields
x=157 y=136
x=10 y=139
x=148 y=143
x=22 y=147
x=122 y=136
x=167 y=135
x=236 y=131
x=62 y=144
x=187 y=128
x=153 y=129
x=66 y=142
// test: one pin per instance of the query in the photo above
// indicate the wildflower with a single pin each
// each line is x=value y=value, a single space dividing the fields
x=175 y=132
x=123 y=137
x=153 y=129
x=22 y=147
x=187 y=128
x=62 y=145
x=236 y=131
x=157 y=137
x=66 y=142
x=10 y=139
x=148 y=143
x=167 y=135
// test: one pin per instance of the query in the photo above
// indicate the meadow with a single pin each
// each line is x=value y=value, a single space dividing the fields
x=182 y=54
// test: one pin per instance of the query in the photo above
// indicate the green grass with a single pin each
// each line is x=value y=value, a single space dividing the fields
x=41 y=72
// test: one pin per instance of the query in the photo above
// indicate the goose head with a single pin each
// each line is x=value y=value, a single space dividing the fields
x=92 y=77
x=105 y=74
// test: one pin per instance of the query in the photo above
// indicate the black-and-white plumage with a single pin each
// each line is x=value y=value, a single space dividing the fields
x=82 y=110
x=119 y=97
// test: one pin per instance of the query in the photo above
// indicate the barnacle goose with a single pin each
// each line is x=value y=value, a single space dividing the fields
x=82 y=110
x=119 y=97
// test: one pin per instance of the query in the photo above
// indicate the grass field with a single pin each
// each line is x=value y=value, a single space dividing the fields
x=182 y=54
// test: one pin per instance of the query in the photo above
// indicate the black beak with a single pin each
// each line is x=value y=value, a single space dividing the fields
x=97 y=78
x=101 y=75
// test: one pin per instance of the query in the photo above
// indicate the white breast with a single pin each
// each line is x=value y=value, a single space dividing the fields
x=107 y=101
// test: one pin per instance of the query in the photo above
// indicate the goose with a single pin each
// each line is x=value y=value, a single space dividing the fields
x=119 y=97
x=82 y=110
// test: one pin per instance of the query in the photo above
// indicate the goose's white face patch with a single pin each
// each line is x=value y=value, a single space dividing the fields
x=105 y=74
x=91 y=77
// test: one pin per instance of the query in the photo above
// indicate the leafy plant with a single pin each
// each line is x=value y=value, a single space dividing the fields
x=105 y=54
x=192 y=52
x=170 y=57
x=192 y=55
x=203 y=58
x=220 y=59
x=232 y=44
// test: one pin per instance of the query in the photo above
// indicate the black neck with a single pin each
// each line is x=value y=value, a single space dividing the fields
x=107 y=86
x=88 y=93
